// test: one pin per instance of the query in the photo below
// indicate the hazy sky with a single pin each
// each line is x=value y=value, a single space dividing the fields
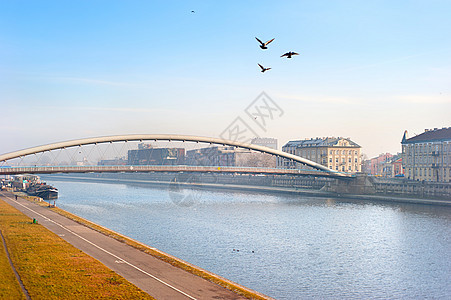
x=367 y=70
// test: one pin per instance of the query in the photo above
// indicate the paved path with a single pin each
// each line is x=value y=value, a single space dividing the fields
x=161 y=280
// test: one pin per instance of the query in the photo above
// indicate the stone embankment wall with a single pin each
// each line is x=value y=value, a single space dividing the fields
x=361 y=185
x=421 y=189
x=366 y=185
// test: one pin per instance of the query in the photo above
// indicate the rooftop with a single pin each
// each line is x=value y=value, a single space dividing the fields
x=323 y=142
x=430 y=135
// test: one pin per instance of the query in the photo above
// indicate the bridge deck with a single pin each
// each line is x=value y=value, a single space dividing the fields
x=148 y=168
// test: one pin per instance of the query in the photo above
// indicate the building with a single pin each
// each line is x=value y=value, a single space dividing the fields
x=229 y=156
x=113 y=162
x=146 y=155
x=427 y=156
x=398 y=170
x=22 y=182
x=378 y=166
x=266 y=142
x=385 y=165
x=263 y=159
x=340 y=154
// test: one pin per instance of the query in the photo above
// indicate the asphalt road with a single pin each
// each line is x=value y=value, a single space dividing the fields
x=160 y=279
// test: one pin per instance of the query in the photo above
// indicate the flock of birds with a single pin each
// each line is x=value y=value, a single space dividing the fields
x=264 y=46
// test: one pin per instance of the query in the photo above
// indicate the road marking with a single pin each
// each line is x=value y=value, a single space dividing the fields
x=106 y=251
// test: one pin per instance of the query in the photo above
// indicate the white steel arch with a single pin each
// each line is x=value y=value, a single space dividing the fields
x=163 y=137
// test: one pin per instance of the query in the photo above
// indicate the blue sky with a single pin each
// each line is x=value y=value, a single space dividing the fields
x=367 y=70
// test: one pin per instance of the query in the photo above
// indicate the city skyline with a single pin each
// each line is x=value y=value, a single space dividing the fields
x=367 y=71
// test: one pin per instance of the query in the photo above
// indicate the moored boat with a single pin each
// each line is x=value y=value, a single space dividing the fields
x=42 y=190
x=47 y=192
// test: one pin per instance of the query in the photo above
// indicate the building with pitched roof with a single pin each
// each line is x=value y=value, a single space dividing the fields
x=340 y=154
x=427 y=156
x=385 y=165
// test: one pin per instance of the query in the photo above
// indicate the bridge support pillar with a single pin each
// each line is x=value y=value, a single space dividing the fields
x=359 y=185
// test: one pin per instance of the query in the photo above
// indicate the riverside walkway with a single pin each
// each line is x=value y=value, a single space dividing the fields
x=154 y=276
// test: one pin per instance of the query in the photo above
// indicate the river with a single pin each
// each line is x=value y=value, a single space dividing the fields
x=287 y=247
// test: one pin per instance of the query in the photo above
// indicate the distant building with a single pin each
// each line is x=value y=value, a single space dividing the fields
x=263 y=159
x=156 y=156
x=398 y=170
x=266 y=142
x=22 y=182
x=427 y=156
x=112 y=162
x=378 y=165
x=386 y=165
x=229 y=156
x=340 y=154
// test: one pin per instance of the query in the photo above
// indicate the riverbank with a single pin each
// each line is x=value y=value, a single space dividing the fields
x=50 y=268
x=254 y=189
x=287 y=244
x=239 y=292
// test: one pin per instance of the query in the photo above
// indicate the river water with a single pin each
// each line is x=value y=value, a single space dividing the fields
x=287 y=247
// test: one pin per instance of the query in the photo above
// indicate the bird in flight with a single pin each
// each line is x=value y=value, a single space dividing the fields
x=263 y=45
x=263 y=68
x=289 y=54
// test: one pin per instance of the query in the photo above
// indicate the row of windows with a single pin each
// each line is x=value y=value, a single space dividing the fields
x=343 y=160
x=428 y=147
x=429 y=172
x=343 y=168
x=323 y=152
x=429 y=160
x=343 y=152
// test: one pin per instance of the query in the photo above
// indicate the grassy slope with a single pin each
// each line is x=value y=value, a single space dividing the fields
x=51 y=268
x=9 y=287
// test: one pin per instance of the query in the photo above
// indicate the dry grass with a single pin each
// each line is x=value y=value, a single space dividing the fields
x=51 y=268
x=9 y=287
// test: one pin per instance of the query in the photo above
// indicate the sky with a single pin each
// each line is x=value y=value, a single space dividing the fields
x=367 y=70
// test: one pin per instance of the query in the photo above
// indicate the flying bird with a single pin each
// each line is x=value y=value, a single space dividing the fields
x=289 y=54
x=264 y=69
x=263 y=45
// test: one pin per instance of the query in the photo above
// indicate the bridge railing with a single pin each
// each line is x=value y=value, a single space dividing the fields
x=161 y=168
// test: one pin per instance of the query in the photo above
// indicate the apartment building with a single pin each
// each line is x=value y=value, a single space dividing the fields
x=340 y=154
x=427 y=156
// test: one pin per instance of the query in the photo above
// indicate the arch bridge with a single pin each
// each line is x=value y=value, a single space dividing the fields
x=323 y=171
